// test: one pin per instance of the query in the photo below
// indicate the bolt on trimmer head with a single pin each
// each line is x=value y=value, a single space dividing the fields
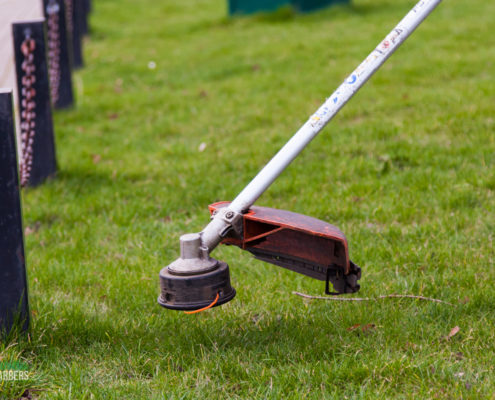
x=293 y=241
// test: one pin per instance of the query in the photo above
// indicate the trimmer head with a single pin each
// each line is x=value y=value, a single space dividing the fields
x=297 y=242
x=194 y=280
x=192 y=292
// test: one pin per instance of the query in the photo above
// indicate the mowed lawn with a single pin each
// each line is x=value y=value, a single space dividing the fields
x=178 y=107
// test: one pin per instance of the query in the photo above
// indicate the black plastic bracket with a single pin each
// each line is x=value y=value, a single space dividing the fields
x=335 y=274
x=342 y=283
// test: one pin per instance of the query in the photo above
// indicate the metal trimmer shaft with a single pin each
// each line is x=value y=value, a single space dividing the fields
x=213 y=234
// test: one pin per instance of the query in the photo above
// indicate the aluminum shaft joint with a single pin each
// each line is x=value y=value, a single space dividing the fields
x=195 y=248
x=223 y=222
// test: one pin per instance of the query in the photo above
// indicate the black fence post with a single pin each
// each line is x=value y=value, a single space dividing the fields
x=59 y=67
x=84 y=18
x=37 y=156
x=75 y=11
x=88 y=6
x=13 y=282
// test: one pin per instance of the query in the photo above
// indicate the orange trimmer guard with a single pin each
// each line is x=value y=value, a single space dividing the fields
x=297 y=242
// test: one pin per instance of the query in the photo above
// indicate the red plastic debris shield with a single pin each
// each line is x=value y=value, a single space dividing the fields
x=297 y=242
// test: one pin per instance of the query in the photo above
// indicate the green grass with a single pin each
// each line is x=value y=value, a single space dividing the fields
x=407 y=171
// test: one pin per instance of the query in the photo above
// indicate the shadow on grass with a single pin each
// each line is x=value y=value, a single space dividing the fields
x=88 y=179
x=171 y=337
x=181 y=339
x=81 y=181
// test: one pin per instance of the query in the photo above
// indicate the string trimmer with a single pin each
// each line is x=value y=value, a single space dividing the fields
x=293 y=241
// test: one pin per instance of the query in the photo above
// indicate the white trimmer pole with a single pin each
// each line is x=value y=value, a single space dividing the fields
x=210 y=235
x=332 y=105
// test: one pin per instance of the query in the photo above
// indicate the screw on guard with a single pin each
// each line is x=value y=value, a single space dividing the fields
x=286 y=239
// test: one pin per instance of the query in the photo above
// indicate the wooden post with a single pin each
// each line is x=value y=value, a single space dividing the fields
x=13 y=282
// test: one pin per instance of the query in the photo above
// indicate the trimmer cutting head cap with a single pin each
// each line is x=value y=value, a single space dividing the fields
x=194 y=280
